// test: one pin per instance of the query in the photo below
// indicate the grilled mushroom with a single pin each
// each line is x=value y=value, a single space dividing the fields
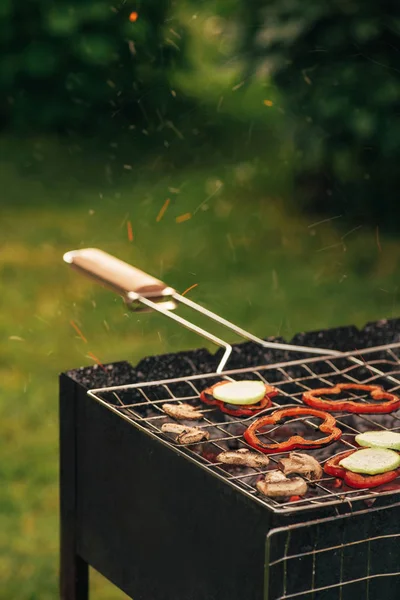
x=277 y=485
x=243 y=457
x=183 y=411
x=185 y=434
x=301 y=464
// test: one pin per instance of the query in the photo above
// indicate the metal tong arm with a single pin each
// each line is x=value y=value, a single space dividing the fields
x=136 y=286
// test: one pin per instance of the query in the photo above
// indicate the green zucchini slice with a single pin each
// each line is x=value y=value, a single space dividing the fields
x=371 y=461
x=379 y=439
x=240 y=392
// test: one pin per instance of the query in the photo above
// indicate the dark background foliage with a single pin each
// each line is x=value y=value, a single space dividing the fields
x=84 y=65
x=338 y=66
x=75 y=64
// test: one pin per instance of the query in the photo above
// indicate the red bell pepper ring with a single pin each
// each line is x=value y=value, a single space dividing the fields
x=328 y=426
x=357 y=480
x=313 y=398
x=241 y=411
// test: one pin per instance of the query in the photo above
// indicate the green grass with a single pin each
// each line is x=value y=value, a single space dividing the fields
x=254 y=261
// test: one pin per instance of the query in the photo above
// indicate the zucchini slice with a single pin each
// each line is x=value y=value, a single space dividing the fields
x=240 y=392
x=371 y=461
x=379 y=439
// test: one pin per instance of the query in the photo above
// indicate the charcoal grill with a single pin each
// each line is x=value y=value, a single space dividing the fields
x=161 y=520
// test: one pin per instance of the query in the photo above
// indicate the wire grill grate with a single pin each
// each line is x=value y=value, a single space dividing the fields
x=335 y=558
x=141 y=404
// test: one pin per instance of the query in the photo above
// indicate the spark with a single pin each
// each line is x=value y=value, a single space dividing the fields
x=251 y=126
x=175 y=130
x=268 y=103
x=42 y=319
x=231 y=245
x=175 y=33
x=351 y=231
x=324 y=221
x=189 y=289
x=329 y=247
x=131 y=47
x=124 y=220
x=238 y=86
x=183 y=218
x=275 y=281
x=378 y=242
x=16 y=338
x=97 y=361
x=217 y=189
x=78 y=331
x=133 y=17
x=163 y=209
x=172 y=43
x=128 y=167
x=130 y=232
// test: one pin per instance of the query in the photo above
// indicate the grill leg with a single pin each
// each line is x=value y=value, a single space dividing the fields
x=74 y=576
x=74 y=571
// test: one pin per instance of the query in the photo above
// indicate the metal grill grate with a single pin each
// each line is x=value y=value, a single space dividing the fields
x=141 y=404
x=335 y=558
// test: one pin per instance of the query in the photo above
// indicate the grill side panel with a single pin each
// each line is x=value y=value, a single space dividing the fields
x=156 y=524
x=340 y=558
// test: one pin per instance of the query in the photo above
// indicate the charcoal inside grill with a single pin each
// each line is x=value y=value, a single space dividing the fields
x=246 y=354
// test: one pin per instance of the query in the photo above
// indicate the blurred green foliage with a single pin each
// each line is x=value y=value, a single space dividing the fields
x=69 y=64
x=337 y=64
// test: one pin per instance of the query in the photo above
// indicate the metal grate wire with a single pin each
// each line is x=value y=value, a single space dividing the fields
x=141 y=404
x=336 y=558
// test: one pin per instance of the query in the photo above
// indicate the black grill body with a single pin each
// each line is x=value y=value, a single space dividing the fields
x=161 y=528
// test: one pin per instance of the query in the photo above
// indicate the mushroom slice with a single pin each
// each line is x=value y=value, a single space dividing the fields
x=301 y=464
x=185 y=434
x=244 y=457
x=277 y=485
x=183 y=411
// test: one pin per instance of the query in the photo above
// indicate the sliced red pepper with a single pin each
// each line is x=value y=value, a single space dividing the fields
x=313 y=398
x=249 y=410
x=357 y=480
x=328 y=425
